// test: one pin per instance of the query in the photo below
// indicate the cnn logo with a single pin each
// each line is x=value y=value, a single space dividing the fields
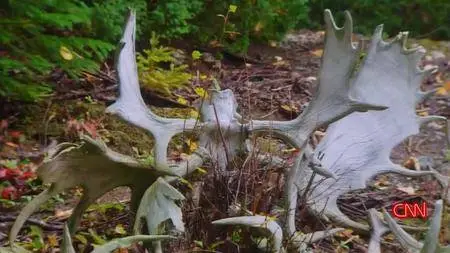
x=405 y=210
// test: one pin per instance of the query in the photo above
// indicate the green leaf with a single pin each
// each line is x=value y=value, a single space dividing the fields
x=196 y=55
x=97 y=239
x=119 y=229
x=198 y=243
x=82 y=239
x=37 y=238
x=202 y=171
x=10 y=164
x=232 y=8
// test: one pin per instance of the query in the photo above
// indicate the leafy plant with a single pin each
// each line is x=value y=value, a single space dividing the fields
x=14 y=179
x=109 y=16
x=251 y=21
x=171 y=18
x=155 y=77
x=422 y=17
x=37 y=38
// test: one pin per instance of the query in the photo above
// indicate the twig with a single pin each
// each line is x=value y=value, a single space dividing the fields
x=33 y=221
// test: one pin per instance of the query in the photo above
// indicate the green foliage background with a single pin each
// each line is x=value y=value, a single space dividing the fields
x=424 y=18
x=31 y=38
x=33 y=33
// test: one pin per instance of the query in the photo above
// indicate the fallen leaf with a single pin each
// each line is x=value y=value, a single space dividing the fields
x=201 y=92
x=13 y=145
x=412 y=163
x=10 y=192
x=202 y=171
x=382 y=182
x=182 y=100
x=119 y=229
x=346 y=233
x=63 y=214
x=52 y=240
x=317 y=53
x=196 y=55
x=443 y=90
x=258 y=26
x=408 y=190
x=65 y=53
x=14 y=134
x=289 y=108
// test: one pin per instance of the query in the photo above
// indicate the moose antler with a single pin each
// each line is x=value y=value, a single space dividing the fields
x=357 y=147
x=334 y=98
x=131 y=107
x=275 y=232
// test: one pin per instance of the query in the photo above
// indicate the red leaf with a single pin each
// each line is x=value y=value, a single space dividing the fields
x=27 y=175
x=14 y=134
x=13 y=145
x=91 y=129
x=2 y=173
x=3 y=124
x=10 y=193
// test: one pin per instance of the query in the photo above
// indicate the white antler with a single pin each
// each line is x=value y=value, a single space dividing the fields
x=357 y=147
x=131 y=107
x=334 y=98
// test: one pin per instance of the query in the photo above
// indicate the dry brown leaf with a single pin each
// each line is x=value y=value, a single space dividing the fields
x=407 y=189
x=258 y=27
x=63 y=214
x=412 y=163
x=382 y=182
x=52 y=240
x=443 y=90
x=317 y=53
x=346 y=233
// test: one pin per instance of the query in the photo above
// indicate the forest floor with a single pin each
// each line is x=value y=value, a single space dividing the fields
x=271 y=83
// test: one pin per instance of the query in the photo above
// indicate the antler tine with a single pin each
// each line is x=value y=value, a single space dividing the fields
x=333 y=98
x=378 y=230
x=131 y=107
x=300 y=240
x=258 y=221
x=305 y=157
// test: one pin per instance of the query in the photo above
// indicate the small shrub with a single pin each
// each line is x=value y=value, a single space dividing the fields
x=422 y=17
x=172 y=18
x=249 y=21
x=153 y=76
x=109 y=17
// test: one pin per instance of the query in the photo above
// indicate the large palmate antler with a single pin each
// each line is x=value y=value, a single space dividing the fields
x=357 y=147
